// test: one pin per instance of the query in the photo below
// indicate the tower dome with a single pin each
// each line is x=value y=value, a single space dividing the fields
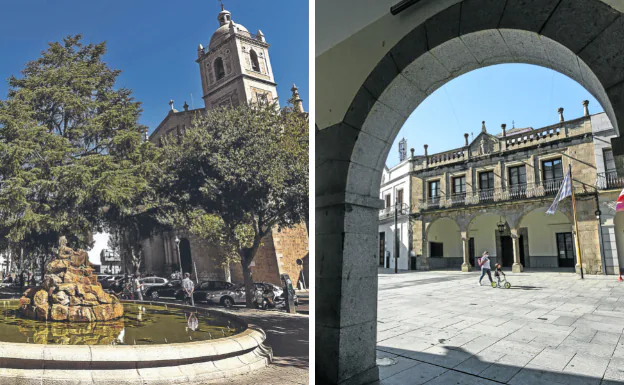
x=226 y=26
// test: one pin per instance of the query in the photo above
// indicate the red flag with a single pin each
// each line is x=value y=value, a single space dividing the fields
x=620 y=202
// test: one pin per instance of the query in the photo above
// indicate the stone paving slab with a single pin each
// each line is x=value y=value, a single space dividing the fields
x=549 y=328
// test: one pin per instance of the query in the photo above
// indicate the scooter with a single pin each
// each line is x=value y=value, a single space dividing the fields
x=265 y=299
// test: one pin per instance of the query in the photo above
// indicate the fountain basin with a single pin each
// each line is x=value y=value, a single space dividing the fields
x=154 y=363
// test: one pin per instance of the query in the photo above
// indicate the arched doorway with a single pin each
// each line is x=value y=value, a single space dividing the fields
x=185 y=256
x=444 y=244
x=362 y=106
x=484 y=231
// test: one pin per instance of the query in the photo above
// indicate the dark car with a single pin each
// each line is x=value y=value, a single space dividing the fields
x=217 y=292
x=169 y=289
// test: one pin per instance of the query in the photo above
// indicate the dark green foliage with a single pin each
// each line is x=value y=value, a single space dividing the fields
x=237 y=173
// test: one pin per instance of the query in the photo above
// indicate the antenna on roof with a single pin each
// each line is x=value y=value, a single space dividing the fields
x=221 y=1
x=513 y=124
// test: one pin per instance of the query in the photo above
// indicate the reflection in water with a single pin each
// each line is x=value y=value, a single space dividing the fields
x=140 y=325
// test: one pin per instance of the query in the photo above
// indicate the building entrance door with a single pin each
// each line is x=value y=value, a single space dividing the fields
x=506 y=251
x=382 y=248
x=565 y=250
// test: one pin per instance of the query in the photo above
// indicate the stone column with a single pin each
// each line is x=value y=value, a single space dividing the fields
x=347 y=244
x=504 y=141
x=586 y=107
x=426 y=155
x=517 y=266
x=560 y=111
x=466 y=266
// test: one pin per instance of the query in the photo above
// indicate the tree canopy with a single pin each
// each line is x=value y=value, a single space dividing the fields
x=71 y=147
x=237 y=173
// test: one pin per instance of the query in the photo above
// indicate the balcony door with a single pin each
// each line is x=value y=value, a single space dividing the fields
x=434 y=191
x=552 y=175
x=486 y=186
x=459 y=190
x=517 y=182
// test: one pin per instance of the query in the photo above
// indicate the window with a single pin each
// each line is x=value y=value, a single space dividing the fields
x=553 y=169
x=388 y=202
x=219 y=69
x=486 y=180
x=517 y=181
x=206 y=286
x=486 y=186
x=552 y=174
x=263 y=99
x=437 y=249
x=517 y=176
x=459 y=185
x=609 y=160
x=400 y=197
x=220 y=285
x=254 y=61
x=434 y=190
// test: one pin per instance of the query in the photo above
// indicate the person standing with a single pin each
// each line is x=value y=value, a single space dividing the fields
x=137 y=288
x=189 y=288
x=484 y=261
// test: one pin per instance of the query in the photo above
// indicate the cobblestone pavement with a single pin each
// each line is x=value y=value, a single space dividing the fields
x=549 y=328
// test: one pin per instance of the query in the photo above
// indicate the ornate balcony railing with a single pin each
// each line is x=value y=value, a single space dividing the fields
x=494 y=195
x=609 y=180
x=388 y=212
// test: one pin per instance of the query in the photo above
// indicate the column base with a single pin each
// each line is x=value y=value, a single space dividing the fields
x=517 y=268
x=466 y=267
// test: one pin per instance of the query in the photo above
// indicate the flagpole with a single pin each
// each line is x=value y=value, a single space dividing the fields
x=578 y=246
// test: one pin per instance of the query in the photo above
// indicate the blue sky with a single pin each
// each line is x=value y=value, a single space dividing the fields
x=155 y=42
x=525 y=94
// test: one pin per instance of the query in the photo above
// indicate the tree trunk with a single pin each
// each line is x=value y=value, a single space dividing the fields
x=249 y=286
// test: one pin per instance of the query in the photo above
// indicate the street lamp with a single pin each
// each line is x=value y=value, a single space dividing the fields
x=598 y=214
x=177 y=241
x=501 y=226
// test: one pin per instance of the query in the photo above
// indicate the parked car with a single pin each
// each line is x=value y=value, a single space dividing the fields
x=152 y=281
x=169 y=289
x=216 y=292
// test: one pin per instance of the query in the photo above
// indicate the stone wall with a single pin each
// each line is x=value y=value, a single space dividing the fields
x=291 y=244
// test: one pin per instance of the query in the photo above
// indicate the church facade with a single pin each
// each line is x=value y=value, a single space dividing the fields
x=235 y=68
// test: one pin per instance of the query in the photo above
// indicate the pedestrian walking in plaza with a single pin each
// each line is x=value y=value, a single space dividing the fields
x=484 y=262
x=137 y=288
x=189 y=288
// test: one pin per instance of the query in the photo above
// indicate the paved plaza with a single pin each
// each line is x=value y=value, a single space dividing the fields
x=549 y=328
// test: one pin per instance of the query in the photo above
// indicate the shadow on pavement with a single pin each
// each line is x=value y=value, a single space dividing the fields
x=455 y=365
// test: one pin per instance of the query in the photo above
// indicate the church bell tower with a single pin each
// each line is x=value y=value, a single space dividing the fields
x=235 y=67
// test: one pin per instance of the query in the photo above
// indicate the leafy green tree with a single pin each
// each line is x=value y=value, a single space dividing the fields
x=237 y=173
x=70 y=147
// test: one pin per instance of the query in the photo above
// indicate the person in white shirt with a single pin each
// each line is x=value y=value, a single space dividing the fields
x=484 y=262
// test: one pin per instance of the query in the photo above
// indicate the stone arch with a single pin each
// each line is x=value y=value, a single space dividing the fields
x=437 y=218
x=579 y=38
x=564 y=208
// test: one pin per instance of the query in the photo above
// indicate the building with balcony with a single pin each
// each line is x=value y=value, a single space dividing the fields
x=395 y=189
x=492 y=195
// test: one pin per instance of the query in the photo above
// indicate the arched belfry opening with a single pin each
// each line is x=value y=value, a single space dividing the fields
x=367 y=86
x=255 y=65
x=219 y=69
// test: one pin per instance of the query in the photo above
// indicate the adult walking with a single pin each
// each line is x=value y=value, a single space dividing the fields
x=137 y=288
x=484 y=262
x=189 y=288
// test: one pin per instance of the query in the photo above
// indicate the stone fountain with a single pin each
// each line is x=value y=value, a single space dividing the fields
x=70 y=292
